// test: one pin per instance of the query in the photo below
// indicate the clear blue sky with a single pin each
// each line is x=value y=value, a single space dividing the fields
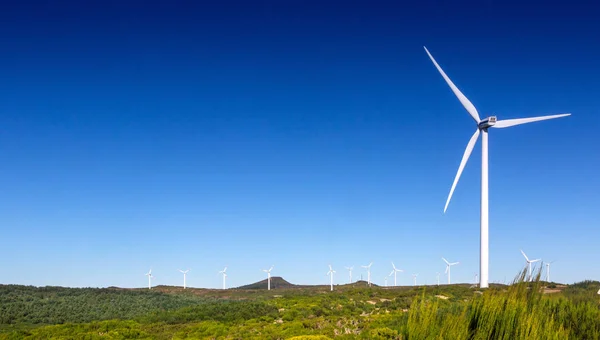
x=292 y=133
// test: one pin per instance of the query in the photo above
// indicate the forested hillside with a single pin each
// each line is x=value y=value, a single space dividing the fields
x=520 y=311
x=56 y=305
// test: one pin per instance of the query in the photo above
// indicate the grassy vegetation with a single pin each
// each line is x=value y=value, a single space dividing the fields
x=518 y=311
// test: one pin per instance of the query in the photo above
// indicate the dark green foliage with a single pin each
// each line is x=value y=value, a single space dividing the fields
x=57 y=305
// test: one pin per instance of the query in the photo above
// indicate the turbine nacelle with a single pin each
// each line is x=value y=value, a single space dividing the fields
x=486 y=123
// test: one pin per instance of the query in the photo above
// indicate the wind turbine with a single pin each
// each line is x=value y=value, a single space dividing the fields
x=150 y=277
x=350 y=270
x=448 y=264
x=548 y=271
x=268 y=277
x=482 y=128
x=184 y=273
x=415 y=278
x=394 y=271
x=368 y=273
x=529 y=262
x=330 y=273
x=224 y=276
x=438 y=279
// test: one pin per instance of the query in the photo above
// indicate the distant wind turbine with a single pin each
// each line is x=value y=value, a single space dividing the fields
x=184 y=274
x=385 y=279
x=368 y=273
x=438 y=278
x=224 y=276
x=415 y=278
x=448 y=264
x=268 y=276
x=330 y=273
x=394 y=271
x=529 y=262
x=548 y=271
x=350 y=270
x=150 y=277
x=482 y=128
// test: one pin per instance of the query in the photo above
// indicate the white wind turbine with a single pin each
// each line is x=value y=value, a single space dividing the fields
x=368 y=273
x=330 y=273
x=529 y=262
x=482 y=128
x=448 y=264
x=548 y=271
x=394 y=271
x=350 y=270
x=150 y=277
x=415 y=278
x=184 y=274
x=268 y=276
x=438 y=278
x=224 y=276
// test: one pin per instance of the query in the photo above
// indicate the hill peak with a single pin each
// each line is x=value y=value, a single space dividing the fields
x=277 y=282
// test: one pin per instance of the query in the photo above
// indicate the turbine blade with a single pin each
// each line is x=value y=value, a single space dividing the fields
x=393 y=266
x=463 y=162
x=526 y=258
x=512 y=122
x=392 y=273
x=463 y=100
x=445 y=260
x=446 y=272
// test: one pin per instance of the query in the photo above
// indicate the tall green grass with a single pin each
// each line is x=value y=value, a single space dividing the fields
x=521 y=311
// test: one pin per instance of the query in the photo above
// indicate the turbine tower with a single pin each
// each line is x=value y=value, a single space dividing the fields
x=415 y=278
x=482 y=128
x=330 y=273
x=548 y=271
x=184 y=274
x=268 y=276
x=448 y=264
x=438 y=278
x=394 y=271
x=224 y=276
x=529 y=262
x=150 y=277
x=368 y=273
x=350 y=270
